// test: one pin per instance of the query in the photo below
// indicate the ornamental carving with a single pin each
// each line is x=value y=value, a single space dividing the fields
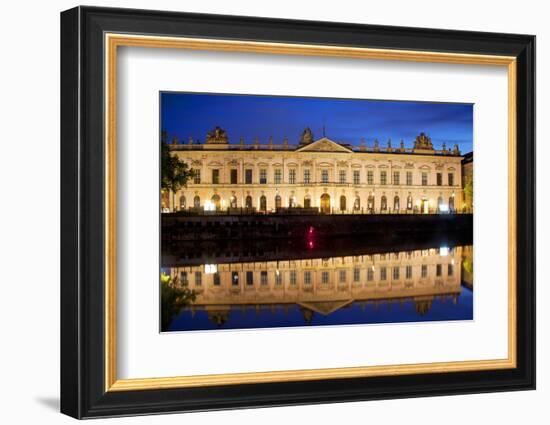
x=306 y=137
x=422 y=141
x=218 y=135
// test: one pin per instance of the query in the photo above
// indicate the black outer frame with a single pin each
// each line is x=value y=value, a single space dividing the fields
x=82 y=212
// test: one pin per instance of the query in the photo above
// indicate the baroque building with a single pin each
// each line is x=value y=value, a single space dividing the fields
x=325 y=285
x=318 y=175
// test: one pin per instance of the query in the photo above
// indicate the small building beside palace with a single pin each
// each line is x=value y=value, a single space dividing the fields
x=318 y=175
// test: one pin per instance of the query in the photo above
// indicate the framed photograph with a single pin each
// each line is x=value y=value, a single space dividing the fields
x=261 y=212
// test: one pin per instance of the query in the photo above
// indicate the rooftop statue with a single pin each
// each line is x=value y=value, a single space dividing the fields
x=218 y=135
x=307 y=136
x=423 y=142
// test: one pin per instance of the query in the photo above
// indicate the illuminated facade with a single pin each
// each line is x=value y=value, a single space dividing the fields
x=318 y=175
x=325 y=285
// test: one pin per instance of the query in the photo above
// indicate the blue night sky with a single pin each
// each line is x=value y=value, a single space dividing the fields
x=345 y=120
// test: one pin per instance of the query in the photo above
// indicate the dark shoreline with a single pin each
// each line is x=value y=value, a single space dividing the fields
x=354 y=235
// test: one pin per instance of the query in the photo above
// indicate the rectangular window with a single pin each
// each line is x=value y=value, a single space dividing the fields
x=370 y=274
x=263 y=176
x=439 y=179
x=292 y=176
x=263 y=278
x=342 y=176
x=409 y=178
x=438 y=270
x=356 y=275
x=278 y=278
x=424 y=271
x=307 y=176
x=396 y=177
x=216 y=176
x=324 y=176
x=235 y=278
x=396 y=273
x=383 y=177
x=307 y=277
x=383 y=273
x=197 y=176
x=278 y=176
x=451 y=177
x=450 y=270
x=370 y=177
x=424 y=179
x=250 y=278
x=183 y=279
x=342 y=276
x=198 y=278
x=248 y=176
x=293 y=277
x=356 y=179
x=233 y=176
x=217 y=280
x=324 y=277
x=408 y=272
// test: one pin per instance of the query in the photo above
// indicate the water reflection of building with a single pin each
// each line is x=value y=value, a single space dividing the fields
x=319 y=174
x=325 y=285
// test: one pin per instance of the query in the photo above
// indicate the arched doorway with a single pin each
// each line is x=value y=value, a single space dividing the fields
x=325 y=203
x=396 y=205
x=342 y=203
x=409 y=202
x=451 y=204
x=424 y=206
x=216 y=201
x=370 y=203
x=384 y=203
x=439 y=203
x=292 y=202
x=357 y=204
x=248 y=202
x=278 y=202
x=263 y=203
x=307 y=201
x=182 y=202
x=197 y=202
x=233 y=202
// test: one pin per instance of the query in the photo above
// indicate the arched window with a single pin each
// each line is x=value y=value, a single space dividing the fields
x=307 y=201
x=233 y=201
x=370 y=203
x=182 y=202
x=216 y=201
x=439 y=203
x=248 y=202
x=357 y=204
x=342 y=203
x=278 y=202
x=410 y=202
x=197 y=202
x=263 y=203
x=383 y=203
x=451 y=204
x=396 y=204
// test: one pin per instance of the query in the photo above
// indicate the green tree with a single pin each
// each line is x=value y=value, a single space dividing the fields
x=469 y=191
x=174 y=172
x=174 y=298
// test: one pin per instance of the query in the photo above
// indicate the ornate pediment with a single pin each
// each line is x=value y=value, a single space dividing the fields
x=196 y=163
x=324 y=145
